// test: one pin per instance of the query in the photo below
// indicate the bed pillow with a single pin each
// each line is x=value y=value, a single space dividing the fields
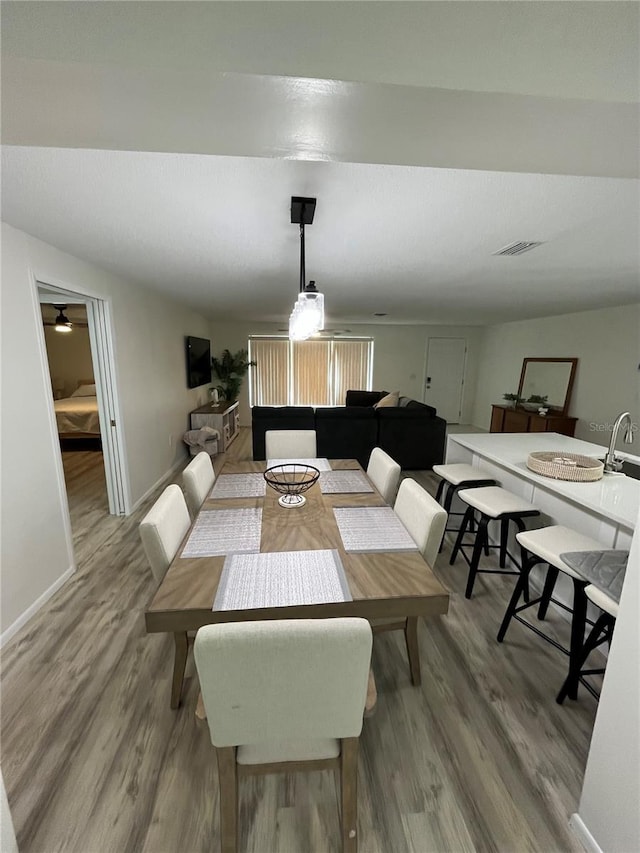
x=390 y=401
x=85 y=391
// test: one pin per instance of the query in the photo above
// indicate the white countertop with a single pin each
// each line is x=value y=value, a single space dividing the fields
x=615 y=496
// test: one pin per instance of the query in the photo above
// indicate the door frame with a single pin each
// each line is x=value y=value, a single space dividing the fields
x=100 y=325
x=463 y=385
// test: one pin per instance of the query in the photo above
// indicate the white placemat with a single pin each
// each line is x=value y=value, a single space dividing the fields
x=320 y=464
x=335 y=482
x=224 y=531
x=372 y=528
x=282 y=579
x=239 y=486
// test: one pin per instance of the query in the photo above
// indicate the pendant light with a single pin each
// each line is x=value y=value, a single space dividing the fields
x=307 y=316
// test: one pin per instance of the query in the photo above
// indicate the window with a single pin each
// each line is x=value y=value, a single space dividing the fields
x=308 y=373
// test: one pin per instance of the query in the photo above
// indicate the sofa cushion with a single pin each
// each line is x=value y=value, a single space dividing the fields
x=390 y=401
x=414 y=404
x=364 y=398
x=264 y=418
x=346 y=432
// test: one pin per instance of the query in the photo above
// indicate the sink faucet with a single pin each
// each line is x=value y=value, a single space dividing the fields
x=610 y=461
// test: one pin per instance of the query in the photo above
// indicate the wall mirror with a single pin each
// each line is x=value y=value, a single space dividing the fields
x=551 y=378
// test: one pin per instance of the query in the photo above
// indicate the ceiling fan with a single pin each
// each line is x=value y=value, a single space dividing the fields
x=62 y=323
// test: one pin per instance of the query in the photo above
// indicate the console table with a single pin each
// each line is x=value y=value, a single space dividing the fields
x=221 y=416
x=508 y=419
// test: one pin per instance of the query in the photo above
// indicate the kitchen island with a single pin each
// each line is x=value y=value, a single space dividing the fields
x=606 y=510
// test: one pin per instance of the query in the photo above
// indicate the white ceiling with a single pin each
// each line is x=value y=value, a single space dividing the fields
x=413 y=241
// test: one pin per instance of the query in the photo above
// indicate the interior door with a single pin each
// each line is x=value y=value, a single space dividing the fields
x=445 y=377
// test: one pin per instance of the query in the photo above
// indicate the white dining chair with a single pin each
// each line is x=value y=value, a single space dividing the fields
x=163 y=528
x=290 y=444
x=283 y=696
x=198 y=478
x=423 y=517
x=384 y=473
x=425 y=521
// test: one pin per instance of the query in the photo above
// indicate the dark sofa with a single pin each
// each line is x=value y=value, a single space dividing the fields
x=411 y=433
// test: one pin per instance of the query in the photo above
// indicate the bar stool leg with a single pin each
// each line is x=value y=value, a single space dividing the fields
x=547 y=592
x=522 y=584
x=447 y=503
x=460 y=536
x=578 y=623
x=596 y=636
x=449 y=497
x=504 y=538
x=481 y=540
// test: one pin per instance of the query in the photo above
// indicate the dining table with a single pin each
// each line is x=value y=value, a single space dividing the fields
x=376 y=583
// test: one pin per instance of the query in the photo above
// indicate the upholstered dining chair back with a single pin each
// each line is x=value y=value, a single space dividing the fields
x=423 y=517
x=285 y=695
x=163 y=528
x=284 y=690
x=290 y=444
x=384 y=473
x=198 y=478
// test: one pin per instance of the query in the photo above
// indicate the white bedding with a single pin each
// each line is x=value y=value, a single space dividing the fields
x=77 y=414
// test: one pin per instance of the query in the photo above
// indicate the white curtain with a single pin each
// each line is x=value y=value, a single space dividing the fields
x=308 y=373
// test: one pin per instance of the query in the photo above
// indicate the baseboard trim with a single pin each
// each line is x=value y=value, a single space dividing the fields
x=37 y=604
x=583 y=835
x=158 y=483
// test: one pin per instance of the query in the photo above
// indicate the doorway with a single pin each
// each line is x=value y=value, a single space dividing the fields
x=444 y=383
x=77 y=348
x=66 y=334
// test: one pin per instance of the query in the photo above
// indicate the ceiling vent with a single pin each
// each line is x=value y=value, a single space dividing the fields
x=517 y=248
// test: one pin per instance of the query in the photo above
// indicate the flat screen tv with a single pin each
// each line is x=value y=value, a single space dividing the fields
x=198 y=362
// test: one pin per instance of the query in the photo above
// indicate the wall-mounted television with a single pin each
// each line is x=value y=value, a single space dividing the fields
x=198 y=362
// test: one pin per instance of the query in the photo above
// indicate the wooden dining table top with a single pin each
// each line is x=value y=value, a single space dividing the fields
x=382 y=584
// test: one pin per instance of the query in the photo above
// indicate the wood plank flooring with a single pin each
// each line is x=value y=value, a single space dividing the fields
x=479 y=758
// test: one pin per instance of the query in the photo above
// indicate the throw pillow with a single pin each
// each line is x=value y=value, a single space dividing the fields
x=390 y=401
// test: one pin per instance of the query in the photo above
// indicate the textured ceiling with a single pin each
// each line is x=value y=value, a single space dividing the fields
x=415 y=243
x=467 y=126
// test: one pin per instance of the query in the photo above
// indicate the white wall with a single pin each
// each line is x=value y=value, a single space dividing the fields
x=399 y=355
x=149 y=346
x=69 y=356
x=611 y=790
x=607 y=345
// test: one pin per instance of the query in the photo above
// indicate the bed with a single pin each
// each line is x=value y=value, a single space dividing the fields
x=77 y=415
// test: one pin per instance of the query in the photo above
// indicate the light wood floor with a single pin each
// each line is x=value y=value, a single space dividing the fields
x=478 y=758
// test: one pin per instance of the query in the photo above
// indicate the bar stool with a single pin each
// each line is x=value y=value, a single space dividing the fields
x=601 y=632
x=494 y=504
x=604 y=571
x=546 y=546
x=458 y=476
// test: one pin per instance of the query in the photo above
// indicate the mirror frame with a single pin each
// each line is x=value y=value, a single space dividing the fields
x=567 y=399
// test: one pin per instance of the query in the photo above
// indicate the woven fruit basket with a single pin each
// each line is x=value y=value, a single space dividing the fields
x=566 y=466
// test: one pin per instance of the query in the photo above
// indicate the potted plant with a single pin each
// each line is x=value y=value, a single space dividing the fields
x=514 y=399
x=231 y=370
x=535 y=402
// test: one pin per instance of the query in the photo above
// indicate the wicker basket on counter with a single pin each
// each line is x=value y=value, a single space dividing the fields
x=566 y=466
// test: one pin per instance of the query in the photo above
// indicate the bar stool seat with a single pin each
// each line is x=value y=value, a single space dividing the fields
x=602 y=600
x=456 y=476
x=546 y=546
x=548 y=543
x=459 y=472
x=494 y=504
x=495 y=501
